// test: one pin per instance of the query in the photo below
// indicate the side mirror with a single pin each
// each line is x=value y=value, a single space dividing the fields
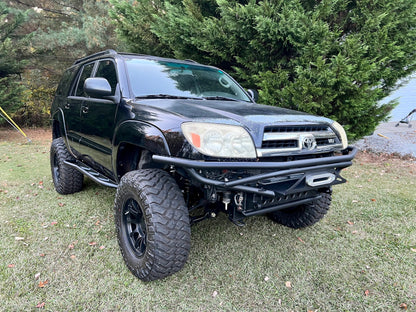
x=97 y=87
x=253 y=94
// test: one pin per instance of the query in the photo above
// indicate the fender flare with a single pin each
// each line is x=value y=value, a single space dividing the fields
x=59 y=117
x=142 y=135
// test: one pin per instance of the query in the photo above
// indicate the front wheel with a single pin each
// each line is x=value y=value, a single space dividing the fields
x=304 y=215
x=152 y=224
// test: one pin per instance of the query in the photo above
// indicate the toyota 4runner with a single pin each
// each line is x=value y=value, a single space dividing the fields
x=182 y=142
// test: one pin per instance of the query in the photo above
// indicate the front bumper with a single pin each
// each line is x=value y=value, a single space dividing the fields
x=276 y=171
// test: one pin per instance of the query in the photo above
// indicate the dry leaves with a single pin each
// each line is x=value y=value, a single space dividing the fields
x=42 y=284
x=403 y=306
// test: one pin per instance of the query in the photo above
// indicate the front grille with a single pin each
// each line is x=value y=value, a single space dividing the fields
x=280 y=144
x=298 y=139
x=296 y=128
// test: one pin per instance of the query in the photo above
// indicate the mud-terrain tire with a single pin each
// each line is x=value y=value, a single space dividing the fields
x=304 y=215
x=152 y=224
x=66 y=179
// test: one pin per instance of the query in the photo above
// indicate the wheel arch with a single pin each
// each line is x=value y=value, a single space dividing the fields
x=58 y=125
x=134 y=144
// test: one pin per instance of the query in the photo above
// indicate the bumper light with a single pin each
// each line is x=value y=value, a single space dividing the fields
x=341 y=134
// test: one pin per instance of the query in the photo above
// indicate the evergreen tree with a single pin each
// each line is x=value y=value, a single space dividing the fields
x=59 y=32
x=10 y=66
x=335 y=58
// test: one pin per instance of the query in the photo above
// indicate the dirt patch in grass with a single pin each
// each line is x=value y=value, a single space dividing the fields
x=383 y=159
x=41 y=135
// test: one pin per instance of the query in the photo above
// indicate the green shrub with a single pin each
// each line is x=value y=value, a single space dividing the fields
x=333 y=58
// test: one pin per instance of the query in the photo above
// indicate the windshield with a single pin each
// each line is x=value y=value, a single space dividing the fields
x=150 y=78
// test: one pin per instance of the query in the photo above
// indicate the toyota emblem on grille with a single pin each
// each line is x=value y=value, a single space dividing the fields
x=309 y=142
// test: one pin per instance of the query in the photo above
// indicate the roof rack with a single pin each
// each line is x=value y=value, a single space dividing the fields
x=109 y=51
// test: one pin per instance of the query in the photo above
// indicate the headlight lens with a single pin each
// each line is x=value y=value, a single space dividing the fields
x=341 y=132
x=219 y=140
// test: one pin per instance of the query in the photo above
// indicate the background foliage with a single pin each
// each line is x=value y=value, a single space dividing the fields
x=47 y=36
x=334 y=58
x=10 y=66
x=331 y=57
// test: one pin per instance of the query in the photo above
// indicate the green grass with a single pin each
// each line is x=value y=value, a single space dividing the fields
x=360 y=257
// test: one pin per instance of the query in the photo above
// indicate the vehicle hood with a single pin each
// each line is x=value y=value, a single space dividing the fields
x=169 y=114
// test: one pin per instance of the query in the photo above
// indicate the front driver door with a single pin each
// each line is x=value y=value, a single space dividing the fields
x=72 y=107
x=98 y=122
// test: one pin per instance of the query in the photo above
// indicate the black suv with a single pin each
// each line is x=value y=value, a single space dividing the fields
x=182 y=142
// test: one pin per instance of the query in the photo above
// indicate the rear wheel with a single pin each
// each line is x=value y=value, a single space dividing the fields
x=304 y=215
x=66 y=179
x=152 y=224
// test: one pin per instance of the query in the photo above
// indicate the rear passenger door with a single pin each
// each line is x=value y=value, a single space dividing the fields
x=98 y=121
x=73 y=104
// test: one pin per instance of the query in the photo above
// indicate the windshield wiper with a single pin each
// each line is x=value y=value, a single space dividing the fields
x=167 y=96
x=222 y=98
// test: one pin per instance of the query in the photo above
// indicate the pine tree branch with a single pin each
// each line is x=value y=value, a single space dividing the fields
x=43 y=8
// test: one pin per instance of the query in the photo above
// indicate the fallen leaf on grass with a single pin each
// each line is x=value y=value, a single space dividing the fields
x=43 y=284
x=367 y=292
x=37 y=275
x=73 y=257
x=403 y=306
x=92 y=243
x=413 y=249
x=373 y=199
x=11 y=265
x=17 y=238
x=350 y=222
x=61 y=204
x=102 y=247
x=266 y=278
x=214 y=294
x=301 y=240
x=40 y=305
x=54 y=223
x=288 y=284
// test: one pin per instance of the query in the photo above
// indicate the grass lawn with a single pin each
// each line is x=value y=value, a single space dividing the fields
x=59 y=253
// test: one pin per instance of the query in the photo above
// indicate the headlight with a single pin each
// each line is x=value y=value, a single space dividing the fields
x=341 y=132
x=219 y=140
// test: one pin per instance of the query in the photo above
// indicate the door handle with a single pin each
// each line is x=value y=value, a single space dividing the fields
x=85 y=109
x=67 y=106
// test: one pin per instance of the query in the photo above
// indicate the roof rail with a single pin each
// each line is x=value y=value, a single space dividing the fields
x=109 y=51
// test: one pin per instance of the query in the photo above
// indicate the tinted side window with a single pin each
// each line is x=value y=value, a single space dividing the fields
x=86 y=73
x=65 y=83
x=107 y=70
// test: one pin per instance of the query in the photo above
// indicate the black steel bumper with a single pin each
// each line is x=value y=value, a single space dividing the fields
x=280 y=169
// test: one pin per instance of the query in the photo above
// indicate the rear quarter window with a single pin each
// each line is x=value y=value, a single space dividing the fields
x=65 y=83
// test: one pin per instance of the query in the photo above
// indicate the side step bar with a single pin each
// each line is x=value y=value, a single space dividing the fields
x=92 y=174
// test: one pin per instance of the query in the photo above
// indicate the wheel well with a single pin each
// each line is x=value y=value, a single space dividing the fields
x=56 y=130
x=132 y=157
